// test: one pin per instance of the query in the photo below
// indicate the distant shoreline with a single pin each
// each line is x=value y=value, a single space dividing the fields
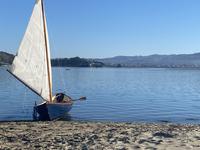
x=151 y=61
x=120 y=67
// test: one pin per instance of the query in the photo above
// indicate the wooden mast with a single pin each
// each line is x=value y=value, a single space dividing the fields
x=47 y=55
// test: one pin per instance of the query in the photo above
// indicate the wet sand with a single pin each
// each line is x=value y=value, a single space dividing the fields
x=97 y=136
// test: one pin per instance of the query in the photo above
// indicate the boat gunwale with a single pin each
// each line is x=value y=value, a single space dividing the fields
x=47 y=103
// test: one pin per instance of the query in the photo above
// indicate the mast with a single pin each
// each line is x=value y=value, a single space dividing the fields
x=47 y=55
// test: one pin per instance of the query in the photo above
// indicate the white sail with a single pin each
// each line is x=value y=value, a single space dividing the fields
x=32 y=64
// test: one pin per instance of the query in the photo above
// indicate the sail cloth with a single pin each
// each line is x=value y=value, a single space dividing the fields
x=30 y=63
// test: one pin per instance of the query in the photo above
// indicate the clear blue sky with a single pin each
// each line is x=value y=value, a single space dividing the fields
x=104 y=28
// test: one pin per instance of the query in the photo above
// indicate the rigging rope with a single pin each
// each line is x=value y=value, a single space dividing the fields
x=60 y=74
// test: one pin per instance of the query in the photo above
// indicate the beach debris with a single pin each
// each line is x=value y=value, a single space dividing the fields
x=163 y=134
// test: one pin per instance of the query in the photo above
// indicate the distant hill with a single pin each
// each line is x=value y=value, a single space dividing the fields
x=6 y=58
x=165 y=61
x=155 y=61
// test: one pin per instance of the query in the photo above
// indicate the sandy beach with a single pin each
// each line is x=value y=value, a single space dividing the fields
x=97 y=136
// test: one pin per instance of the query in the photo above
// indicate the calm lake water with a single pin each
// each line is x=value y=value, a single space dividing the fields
x=113 y=94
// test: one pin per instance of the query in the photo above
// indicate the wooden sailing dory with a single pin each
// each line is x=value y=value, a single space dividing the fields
x=32 y=66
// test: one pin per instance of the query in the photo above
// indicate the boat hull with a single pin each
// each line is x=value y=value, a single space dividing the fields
x=51 y=111
x=58 y=110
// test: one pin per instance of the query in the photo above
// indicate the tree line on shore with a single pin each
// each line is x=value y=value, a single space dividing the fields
x=6 y=59
x=75 y=62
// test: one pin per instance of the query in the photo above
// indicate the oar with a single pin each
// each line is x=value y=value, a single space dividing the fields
x=80 y=99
